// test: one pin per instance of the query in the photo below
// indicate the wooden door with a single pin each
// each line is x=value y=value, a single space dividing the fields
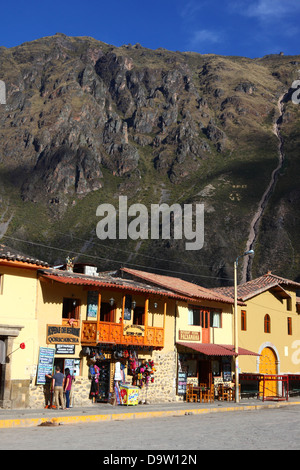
x=205 y=323
x=267 y=365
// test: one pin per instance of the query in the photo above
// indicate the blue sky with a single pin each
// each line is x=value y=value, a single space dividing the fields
x=251 y=28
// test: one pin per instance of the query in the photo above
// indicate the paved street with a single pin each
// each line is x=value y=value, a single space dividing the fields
x=264 y=429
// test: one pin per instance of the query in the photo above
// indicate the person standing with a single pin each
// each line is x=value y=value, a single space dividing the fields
x=67 y=386
x=72 y=390
x=57 y=383
x=47 y=391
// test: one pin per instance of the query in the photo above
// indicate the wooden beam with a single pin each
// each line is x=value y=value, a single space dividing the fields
x=146 y=318
x=98 y=315
x=123 y=307
x=165 y=315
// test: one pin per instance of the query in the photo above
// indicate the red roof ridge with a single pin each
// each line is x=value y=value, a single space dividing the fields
x=184 y=287
x=67 y=277
x=257 y=286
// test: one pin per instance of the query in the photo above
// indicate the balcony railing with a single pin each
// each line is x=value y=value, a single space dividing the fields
x=93 y=333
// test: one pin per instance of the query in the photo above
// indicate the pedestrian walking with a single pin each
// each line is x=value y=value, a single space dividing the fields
x=58 y=381
x=67 y=386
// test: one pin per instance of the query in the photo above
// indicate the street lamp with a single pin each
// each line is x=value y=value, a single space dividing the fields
x=236 y=340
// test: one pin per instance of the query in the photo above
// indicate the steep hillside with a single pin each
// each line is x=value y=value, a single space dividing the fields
x=86 y=122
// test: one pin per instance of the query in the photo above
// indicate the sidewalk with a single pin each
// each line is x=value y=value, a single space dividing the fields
x=107 y=412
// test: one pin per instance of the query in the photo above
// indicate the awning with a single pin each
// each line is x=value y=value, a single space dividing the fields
x=209 y=349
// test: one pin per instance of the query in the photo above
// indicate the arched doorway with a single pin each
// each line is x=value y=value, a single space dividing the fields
x=268 y=365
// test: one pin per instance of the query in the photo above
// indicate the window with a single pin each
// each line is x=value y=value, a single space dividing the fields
x=71 y=308
x=1 y=284
x=243 y=320
x=139 y=316
x=215 y=320
x=194 y=316
x=107 y=312
x=289 y=325
x=289 y=305
x=267 y=324
x=204 y=317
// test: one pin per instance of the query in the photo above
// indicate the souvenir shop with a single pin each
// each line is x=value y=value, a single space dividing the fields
x=117 y=373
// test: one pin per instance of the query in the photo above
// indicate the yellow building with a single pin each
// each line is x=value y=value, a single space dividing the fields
x=103 y=320
x=203 y=331
x=160 y=333
x=18 y=326
x=82 y=320
x=268 y=324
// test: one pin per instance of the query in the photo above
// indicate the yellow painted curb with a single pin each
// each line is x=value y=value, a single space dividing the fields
x=30 y=422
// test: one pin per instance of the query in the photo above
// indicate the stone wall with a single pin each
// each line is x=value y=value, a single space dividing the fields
x=164 y=387
x=81 y=391
x=162 y=390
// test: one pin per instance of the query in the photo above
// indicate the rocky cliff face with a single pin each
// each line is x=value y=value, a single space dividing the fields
x=85 y=118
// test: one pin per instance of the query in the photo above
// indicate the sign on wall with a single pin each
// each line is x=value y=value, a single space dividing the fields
x=58 y=334
x=65 y=349
x=45 y=364
x=189 y=335
x=134 y=330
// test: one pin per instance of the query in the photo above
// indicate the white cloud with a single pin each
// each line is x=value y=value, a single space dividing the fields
x=205 y=36
x=189 y=10
x=266 y=10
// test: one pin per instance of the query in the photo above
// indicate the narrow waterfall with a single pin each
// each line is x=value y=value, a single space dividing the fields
x=254 y=226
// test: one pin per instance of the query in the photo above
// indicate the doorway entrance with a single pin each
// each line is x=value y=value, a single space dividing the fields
x=204 y=372
x=268 y=366
x=205 y=323
x=8 y=333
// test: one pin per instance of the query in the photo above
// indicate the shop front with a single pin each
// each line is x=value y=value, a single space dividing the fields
x=118 y=375
x=118 y=329
x=210 y=365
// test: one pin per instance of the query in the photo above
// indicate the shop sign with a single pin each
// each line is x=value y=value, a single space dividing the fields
x=65 y=349
x=45 y=364
x=189 y=335
x=57 y=334
x=134 y=330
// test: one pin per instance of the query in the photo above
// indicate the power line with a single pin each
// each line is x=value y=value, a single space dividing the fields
x=119 y=249
x=108 y=259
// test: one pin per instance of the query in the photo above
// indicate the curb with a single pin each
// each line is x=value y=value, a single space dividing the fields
x=30 y=422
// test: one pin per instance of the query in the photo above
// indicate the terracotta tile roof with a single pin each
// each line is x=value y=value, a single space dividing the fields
x=257 y=286
x=180 y=286
x=106 y=280
x=10 y=254
x=210 y=349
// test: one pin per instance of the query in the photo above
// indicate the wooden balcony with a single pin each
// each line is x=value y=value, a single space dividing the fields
x=94 y=333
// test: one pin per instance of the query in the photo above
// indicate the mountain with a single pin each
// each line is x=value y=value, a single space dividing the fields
x=86 y=122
